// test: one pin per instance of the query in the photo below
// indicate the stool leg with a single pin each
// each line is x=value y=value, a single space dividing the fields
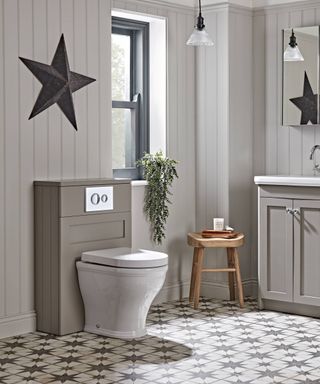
x=197 y=282
x=193 y=273
x=231 y=274
x=238 y=277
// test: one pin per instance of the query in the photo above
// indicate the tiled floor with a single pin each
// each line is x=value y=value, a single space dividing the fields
x=219 y=343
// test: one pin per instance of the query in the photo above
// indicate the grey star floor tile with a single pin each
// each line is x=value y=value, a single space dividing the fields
x=219 y=343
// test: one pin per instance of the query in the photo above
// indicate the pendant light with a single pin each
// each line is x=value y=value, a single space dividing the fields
x=292 y=53
x=199 y=35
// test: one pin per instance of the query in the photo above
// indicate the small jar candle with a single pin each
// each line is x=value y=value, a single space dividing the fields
x=218 y=224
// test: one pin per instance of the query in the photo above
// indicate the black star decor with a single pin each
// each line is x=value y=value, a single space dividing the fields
x=58 y=83
x=308 y=103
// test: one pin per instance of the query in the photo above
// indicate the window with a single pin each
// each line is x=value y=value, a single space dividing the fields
x=130 y=95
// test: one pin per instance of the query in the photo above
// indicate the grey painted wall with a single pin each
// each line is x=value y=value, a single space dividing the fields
x=218 y=155
x=286 y=148
x=180 y=146
x=277 y=149
x=48 y=147
x=224 y=136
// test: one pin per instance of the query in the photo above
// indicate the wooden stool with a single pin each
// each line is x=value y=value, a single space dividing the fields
x=199 y=243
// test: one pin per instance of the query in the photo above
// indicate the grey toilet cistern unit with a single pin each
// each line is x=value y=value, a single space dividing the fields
x=87 y=275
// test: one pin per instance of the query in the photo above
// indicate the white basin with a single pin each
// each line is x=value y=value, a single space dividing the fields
x=297 y=181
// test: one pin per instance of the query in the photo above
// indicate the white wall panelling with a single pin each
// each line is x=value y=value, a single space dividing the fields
x=214 y=179
x=240 y=143
x=46 y=146
x=180 y=146
x=287 y=148
x=224 y=134
x=277 y=149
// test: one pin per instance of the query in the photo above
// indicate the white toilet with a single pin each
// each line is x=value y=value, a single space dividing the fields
x=118 y=286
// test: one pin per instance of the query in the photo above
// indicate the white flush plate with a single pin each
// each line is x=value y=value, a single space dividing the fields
x=99 y=199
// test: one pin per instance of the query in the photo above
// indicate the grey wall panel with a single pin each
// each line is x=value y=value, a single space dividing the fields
x=240 y=160
x=287 y=148
x=180 y=144
x=12 y=156
x=224 y=135
x=47 y=147
x=2 y=171
x=26 y=134
x=278 y=149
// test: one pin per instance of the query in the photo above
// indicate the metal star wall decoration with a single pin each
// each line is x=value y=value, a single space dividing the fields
x=58 y=83
x=308 y=103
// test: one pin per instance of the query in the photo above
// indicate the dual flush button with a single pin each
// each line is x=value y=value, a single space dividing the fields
x=99 y=199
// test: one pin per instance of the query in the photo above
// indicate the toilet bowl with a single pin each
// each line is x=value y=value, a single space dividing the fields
x=118 y=286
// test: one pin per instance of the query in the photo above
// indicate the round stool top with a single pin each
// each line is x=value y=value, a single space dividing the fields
x=196 y=240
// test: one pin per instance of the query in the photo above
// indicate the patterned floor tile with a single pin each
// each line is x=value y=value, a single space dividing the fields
x=219 y=343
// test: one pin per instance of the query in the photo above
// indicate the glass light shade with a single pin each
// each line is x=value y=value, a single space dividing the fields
x=199 y=37
x=292 y=54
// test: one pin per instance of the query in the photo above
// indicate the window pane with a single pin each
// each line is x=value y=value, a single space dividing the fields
x=123 y=138
x=120 y=67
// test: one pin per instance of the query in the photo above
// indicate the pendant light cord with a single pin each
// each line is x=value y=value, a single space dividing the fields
x=200 y=20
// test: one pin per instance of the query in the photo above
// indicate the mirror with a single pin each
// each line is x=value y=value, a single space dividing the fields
x=300 y=91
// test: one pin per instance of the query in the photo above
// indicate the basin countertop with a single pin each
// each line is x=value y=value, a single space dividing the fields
x=296 y=181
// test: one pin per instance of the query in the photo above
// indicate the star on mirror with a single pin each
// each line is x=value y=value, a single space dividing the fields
x=308 y=103
x=58 y=83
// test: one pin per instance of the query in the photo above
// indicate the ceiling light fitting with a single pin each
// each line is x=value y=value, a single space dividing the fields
x=199 y=36
x=292 y=53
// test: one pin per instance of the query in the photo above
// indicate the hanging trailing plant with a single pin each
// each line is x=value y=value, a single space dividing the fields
x=159 y=171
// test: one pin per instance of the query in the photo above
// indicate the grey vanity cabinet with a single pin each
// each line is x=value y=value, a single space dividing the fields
x=289 y=245
x=306 y=267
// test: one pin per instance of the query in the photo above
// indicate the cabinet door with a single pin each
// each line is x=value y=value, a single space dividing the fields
x=276 y=253
x=307 y=252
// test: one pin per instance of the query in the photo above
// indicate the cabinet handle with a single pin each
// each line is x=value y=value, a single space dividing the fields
x=293 y=211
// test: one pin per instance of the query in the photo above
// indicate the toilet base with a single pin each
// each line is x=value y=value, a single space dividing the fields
x=117 y=300
x=116 y=334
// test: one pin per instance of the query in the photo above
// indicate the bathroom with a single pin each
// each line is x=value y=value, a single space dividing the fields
x=220 y=118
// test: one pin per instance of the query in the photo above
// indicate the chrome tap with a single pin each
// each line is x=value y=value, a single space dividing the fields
x=316 y=166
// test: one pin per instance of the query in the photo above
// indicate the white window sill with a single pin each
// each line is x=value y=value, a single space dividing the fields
x=138 y=183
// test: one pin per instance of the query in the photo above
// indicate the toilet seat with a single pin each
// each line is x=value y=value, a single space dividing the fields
x=126 y=258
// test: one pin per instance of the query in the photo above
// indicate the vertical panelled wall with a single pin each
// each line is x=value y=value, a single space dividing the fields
x=277 y=149
x=286 y=148
x=46 y=146
x=224 y=135
x=212 y=137
x=241 y=134
x=212 y=120
x=180 y=145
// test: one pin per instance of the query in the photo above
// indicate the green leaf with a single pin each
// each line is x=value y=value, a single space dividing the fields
x=159 y=171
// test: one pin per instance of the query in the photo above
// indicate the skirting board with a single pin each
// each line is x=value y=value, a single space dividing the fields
x=173 y=291
x=210 y=289
x=220 y=290
x=17 y=325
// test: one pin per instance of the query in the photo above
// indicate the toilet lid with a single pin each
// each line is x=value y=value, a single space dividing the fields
x=126 y=258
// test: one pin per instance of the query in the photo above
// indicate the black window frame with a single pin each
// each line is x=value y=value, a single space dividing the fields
x=139 y=88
